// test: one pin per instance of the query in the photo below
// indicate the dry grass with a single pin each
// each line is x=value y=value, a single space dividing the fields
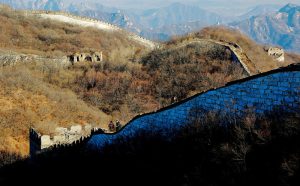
x=29 y=34
x=291 y=58
x=39 y=94
x=26 y=100
x=45 y=96
x=254 y=51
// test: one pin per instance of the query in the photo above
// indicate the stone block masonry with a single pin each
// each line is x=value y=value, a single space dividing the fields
x=62 y=137
x=12 y=59
x=262 y=92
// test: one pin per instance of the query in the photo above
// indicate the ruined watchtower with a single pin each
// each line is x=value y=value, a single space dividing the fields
x=62 y=137
x=89 y=57
x=276 y=53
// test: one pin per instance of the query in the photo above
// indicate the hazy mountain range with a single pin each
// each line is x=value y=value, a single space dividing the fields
x=267 y=23
x=279 y=28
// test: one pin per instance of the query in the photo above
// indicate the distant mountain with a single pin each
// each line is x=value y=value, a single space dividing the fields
x=160 y=23
x=58 y=5
x=263 y=23
x=177 y=14
x=259 y=10
x=184 y=28
x=177 y=19
x=280 y=28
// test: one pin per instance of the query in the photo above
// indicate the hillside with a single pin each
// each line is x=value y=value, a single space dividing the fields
x=207 y=108
x=155 y=24
x=31 y=34
x=128 y=82
x=27 y=100
x=131 y=80
x=35 y=93
x=250 y=151
x=255 y=52
x=279 y=28
x=258 y=10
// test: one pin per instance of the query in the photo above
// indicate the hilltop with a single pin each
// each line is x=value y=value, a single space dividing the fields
x=256 y=52
x=33 y=33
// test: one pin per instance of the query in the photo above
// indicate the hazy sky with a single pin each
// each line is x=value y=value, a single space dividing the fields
x=204 y=3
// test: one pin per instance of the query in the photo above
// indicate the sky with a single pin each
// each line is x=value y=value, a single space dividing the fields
x=204 y=3
x=225 y=7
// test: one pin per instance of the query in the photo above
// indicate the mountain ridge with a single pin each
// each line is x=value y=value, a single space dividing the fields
x=280 y=28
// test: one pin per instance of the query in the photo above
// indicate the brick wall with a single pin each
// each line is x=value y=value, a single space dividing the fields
x=262 y=93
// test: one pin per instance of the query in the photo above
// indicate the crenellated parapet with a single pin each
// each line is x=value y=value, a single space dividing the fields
x=62 y=137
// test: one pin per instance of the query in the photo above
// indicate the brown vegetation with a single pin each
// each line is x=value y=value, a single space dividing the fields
x=254 y=51
x=39 y=94
x=30 y=34
x=291 y=58
x=239 y=150
x=128 y=82
x=26 y=100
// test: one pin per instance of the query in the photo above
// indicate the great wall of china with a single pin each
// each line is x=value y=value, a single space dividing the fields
x=11 y=59
x=236 y=50
x=62 y=137
x=260 y=93
x=89 y=22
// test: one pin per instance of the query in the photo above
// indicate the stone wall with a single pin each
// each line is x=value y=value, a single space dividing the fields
x=141 y=40
x=61 y=137
x=7 y=59
x=263 y=92
x=237 y=52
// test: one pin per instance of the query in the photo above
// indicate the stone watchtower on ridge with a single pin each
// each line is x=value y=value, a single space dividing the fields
x=276 y=53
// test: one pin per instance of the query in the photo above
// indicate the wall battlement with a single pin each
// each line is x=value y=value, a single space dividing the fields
x=260 y=93
x=62 y=137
